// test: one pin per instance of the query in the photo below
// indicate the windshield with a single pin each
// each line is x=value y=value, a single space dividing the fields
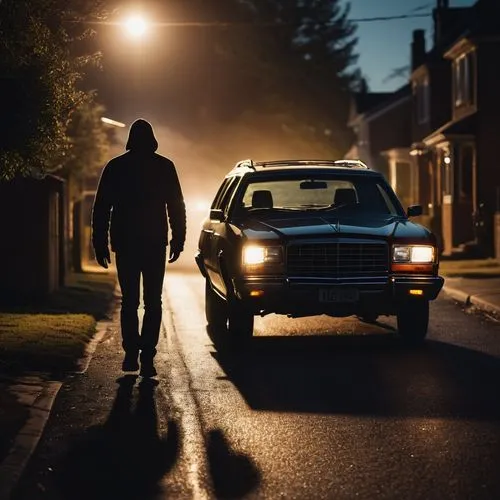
x=367 y=194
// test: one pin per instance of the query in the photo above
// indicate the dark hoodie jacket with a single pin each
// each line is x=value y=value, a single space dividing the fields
x=136 y=191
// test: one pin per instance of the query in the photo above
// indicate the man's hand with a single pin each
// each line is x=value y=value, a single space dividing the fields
x=175 y=252
x=103 y=257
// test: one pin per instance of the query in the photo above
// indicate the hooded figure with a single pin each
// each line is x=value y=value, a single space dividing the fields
x=139 y=196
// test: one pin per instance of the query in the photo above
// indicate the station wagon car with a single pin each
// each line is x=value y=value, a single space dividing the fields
x=311 y=237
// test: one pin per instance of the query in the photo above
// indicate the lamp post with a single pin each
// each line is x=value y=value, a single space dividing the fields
x=136 y=26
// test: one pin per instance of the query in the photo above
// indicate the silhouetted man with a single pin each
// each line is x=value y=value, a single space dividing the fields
x=135 y=193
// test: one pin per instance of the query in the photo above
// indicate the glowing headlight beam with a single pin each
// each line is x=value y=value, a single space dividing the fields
x=256 y=254
x=422 y=254
x=413 y=254
x=253 y=255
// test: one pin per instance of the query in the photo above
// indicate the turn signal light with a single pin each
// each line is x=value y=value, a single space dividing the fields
x=416 y=292
x=256 y=293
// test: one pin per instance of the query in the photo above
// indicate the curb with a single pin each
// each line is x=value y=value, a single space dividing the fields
x=83 y=363
x=40 y=398
x=472 y=300
x=457 y=294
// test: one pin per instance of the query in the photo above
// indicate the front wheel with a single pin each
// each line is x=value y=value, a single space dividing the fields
x=240 y=320
x=215 y=308
x=413 y=320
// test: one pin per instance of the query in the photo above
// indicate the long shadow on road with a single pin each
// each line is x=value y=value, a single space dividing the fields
x=125 y=458
x=363 y=375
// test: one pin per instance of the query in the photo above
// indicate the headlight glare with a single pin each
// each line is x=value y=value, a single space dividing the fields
x=255 y=255
x=413 y=254
x=422 y=254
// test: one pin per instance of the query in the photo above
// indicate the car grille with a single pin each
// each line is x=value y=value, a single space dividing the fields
x=338 y=259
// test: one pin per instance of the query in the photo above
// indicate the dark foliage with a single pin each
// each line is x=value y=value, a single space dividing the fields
x=40 y=67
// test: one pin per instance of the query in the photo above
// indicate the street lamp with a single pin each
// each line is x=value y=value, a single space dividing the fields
x=114 y=123
x=136 y=26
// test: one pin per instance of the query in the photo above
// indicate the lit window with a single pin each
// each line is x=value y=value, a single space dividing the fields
x=463 y=79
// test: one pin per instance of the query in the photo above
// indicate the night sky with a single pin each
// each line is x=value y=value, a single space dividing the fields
x=385 y=45
x=150 y=80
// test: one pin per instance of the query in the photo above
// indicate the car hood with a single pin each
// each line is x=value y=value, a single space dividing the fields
x=381 y=227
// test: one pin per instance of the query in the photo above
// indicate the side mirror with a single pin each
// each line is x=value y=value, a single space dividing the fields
x=216 y=214
x=414 y=210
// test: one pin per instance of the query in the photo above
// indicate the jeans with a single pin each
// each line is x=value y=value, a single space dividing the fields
x=130 y=264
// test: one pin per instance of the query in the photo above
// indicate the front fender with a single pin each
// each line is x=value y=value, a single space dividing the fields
x=199 y=262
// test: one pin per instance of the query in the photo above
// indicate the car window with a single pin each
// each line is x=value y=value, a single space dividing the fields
x=228 y=193
x=322 y=193
x=219 y=194
x=224 y=193
x=387 y=199
x=294 y=194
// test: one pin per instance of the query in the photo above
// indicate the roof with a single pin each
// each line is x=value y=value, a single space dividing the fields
x=364 y=101
x=316 y=165
x=459 y=22
x=462 y=128
x=378 y=103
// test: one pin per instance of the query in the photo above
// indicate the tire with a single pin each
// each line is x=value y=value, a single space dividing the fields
x=240 y=320
x=215 y=308
x=413 y=321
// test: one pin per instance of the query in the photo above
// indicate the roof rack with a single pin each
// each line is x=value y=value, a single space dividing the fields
x=248 y=163
x=345 y=163
x=351 y=163
x=313 y=163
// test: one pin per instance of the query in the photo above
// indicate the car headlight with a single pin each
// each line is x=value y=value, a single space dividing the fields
x=254 y=255
x=413 y=254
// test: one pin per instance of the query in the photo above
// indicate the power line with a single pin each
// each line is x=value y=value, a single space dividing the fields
x=223 y=24
x=421 y=7
x=389 y=18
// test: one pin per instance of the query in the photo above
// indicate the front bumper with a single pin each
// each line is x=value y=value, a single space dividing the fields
x=430 y=286
x=378 y=294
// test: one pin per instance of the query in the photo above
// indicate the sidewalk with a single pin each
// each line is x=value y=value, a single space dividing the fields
x=483 y=293
x=36 y=393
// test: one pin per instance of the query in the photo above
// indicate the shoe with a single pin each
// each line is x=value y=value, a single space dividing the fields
x=130 y=363
x=147 y=369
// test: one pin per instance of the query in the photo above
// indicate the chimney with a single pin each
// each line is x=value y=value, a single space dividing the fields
x=440 y=18
x=417 y=49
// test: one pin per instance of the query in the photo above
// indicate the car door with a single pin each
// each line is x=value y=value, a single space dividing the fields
x=216 y=230
x=221 y=230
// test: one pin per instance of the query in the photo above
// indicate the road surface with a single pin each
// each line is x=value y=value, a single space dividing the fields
x=316 y=408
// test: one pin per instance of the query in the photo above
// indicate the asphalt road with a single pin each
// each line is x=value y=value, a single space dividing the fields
x=317 y=408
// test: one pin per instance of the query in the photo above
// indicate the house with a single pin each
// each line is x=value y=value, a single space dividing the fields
x=382 y=126
x=454 y=124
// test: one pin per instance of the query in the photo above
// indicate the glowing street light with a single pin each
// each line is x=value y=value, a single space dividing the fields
x=136 y=26
x=114 y=123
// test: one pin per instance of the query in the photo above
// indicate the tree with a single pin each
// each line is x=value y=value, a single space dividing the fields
x=88 y=141
x=286 y=68
x=39 y=83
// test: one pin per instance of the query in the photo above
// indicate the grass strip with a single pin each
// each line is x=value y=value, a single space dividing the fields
x=43 y=342
x=52 y=334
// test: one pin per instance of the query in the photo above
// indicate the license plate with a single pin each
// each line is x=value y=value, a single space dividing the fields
x=339 y=294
